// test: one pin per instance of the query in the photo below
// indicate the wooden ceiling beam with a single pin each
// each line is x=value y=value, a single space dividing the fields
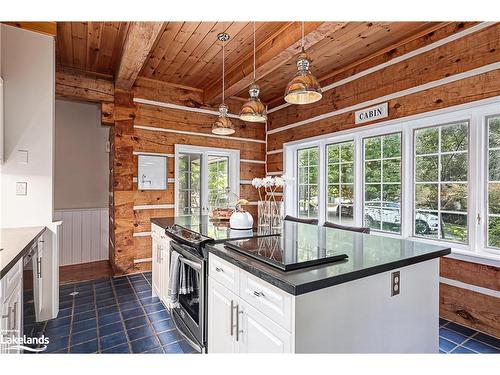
x=47 y=28
x=273 y=53
x=83 y=86
x=140 y=39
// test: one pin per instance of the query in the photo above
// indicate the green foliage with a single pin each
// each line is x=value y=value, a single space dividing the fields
x=494 y=132
x=426 y=196
x=426 y=141
x=454 y=197
x=426 y=168
x=392 y=145
x=454 y=167
x=454 y=137
x=494 y=232
x=494 y=198
x=494 y=165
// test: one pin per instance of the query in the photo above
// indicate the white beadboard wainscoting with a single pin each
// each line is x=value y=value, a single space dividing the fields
x=84 y=235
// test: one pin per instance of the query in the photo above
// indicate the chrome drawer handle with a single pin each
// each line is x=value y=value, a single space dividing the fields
x=258 y=294
x=219 y=269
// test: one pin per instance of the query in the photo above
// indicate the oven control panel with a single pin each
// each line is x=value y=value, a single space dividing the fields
x=186 y=236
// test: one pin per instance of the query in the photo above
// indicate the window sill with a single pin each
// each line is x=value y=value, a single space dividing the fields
x=465 y=254
x=488 y=259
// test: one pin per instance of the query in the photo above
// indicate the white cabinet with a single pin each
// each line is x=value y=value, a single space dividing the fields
x=11 y=308
x=160 y=262
x=221 y=311
x=240 y=320
x=259 y=334
x=38 y=279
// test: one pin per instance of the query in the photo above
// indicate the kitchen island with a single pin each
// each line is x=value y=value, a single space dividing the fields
x=382 y=298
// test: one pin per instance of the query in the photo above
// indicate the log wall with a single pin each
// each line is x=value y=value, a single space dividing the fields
x=457 y=72
x=153 y=128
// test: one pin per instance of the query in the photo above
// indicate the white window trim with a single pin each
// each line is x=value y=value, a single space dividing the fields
x=234 y=171
x=475 y=113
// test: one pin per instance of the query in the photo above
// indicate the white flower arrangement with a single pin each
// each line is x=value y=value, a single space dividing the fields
x=269 y=184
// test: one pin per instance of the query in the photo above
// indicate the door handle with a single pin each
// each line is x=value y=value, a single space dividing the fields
x=39 y=268
x=7 y=316
x=232 y=320
x=238 y=312
x=14 y=313
x=258 y=294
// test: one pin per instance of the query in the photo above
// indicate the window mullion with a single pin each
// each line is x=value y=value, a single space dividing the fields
x=358 y=181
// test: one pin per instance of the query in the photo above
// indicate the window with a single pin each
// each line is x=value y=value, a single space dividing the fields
x=340 y=191
x=434 y=177
x=441 y=182
x=382 y=182
x=308 y=165
x=206 y=178
x=218 y=181
x=493 y=185
x=189 y=184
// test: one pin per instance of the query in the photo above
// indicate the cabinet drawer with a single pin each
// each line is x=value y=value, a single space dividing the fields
x=12 y=280
x=271 y=301
x=156 y=230
x=224 y=272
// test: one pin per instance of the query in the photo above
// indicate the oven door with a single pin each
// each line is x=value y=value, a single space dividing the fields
x=189 y=317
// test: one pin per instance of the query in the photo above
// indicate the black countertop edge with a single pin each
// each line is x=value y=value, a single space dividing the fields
x=21 y=254
x=297 y=290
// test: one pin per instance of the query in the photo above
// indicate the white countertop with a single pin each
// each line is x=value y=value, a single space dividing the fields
x=13 y=241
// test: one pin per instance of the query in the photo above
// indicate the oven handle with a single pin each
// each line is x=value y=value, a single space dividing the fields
x=190 y=263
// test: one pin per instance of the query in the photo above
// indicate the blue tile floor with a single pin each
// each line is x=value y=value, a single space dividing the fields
x=112 y=315
x=119 y=315
x=457 y=339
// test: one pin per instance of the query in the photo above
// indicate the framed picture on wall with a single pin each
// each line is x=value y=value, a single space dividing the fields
x=152 y=172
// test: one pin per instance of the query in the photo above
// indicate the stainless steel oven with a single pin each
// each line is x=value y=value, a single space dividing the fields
x=190 y=316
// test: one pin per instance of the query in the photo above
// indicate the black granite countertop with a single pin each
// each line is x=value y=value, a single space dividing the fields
x=219 y=231
x=368 y=254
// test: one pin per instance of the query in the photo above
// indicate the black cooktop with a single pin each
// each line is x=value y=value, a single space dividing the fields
x=286 y=253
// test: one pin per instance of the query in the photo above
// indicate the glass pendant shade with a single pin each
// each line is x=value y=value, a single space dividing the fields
x=253 y=110
x=304 y=87
x=223 y=125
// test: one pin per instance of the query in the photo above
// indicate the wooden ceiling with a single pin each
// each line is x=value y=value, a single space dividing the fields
x=188 y=53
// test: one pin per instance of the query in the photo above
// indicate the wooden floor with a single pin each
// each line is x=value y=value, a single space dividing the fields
x=84 y=272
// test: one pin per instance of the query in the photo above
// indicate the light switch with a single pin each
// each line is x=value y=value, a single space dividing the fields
x=22 y=156
x=21 y=188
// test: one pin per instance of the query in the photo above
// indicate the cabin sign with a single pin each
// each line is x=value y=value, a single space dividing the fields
x=372 y=113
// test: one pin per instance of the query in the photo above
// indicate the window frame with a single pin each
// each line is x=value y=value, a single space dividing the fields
x=475 y=113
x=308 y=184
x=340 y=184
x=486 y=181
x=233 y=171
x=401 y=168
x=440 y=182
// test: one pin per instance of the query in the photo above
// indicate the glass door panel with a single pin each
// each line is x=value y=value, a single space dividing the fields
x=218 y=181
x=190 y=184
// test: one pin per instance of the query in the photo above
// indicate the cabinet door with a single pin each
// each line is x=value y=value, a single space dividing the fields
x=11 y=322
x=164 y=268
x=259 y=334
x=221 y=319
x=38 y=280
x=155 y=267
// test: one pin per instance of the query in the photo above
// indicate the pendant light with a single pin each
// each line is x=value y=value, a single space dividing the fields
x=253 y=110
x=223 y=125
x=304 y=87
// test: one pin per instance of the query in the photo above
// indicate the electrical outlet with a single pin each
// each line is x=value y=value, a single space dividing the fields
x=21 y=188
x=395 y=283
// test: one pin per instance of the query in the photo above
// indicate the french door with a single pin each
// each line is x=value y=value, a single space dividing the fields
x=205 y=179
